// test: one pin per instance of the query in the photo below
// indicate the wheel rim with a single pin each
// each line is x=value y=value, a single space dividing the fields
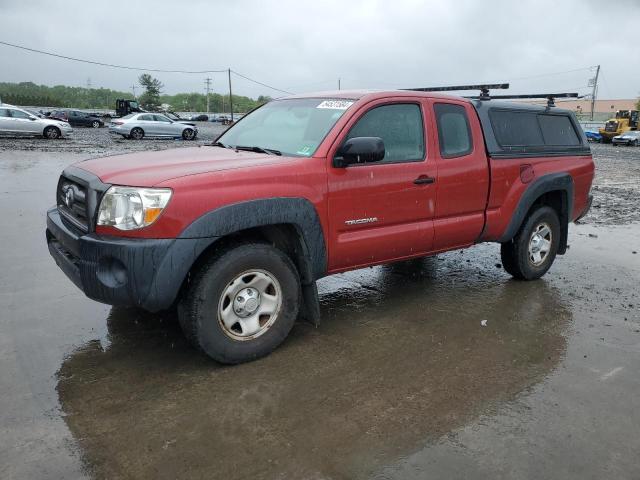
x=95 y=124
x=188 y=134
x=249 y=305
x=136 y=134
x=540 y=244
x=52 y=133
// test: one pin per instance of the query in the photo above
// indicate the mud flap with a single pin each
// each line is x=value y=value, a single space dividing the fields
x=310 y=309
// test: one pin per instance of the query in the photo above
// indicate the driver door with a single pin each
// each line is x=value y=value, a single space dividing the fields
x=23 y=123
x=383 y=211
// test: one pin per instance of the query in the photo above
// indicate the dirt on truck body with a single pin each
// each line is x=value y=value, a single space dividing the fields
x=237 y=233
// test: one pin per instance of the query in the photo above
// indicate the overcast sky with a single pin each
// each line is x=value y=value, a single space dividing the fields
x=305 y=46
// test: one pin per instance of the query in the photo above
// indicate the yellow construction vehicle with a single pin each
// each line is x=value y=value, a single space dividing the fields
x=625 y=120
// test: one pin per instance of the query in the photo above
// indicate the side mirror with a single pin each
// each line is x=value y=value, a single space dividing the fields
x=359 y=150
x=33 y=119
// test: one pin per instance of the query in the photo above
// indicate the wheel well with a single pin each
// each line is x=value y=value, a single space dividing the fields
x=558 y=200
x=48 y=127
x=284 y=237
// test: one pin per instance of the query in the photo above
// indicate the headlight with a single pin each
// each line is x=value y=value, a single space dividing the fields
x=129 y=208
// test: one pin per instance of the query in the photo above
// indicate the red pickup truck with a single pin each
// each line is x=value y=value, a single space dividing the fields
x=236 y=233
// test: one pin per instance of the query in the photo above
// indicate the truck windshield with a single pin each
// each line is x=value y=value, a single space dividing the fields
x=294 y=127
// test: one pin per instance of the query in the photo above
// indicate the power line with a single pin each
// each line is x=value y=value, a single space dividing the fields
x=551 y=74
x=260 y=83
x=125 y=67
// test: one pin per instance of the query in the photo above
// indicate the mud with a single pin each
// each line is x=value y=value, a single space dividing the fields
x=401 y=380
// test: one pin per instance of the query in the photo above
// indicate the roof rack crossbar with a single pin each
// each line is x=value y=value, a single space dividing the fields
x=549 y=96
x=484 y=88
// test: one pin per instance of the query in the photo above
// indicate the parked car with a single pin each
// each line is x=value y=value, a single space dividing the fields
x=18 y=121
x=593 y=136
x=177 y=118
x=632 y=137
x=200 y=118
x=77 y=118
x=237 y=233
x=139 y=125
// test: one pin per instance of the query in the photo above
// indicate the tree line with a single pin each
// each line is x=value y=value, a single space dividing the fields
x=30 y=94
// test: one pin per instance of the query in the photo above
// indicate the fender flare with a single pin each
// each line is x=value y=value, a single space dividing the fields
x=547 y=183
x=298 y=212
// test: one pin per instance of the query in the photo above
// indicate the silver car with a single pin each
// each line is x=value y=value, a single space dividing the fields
x=16 y=121
x=140 y=125
x=632 y=137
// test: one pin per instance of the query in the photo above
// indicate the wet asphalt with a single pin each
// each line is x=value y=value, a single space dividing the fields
x=400 y=381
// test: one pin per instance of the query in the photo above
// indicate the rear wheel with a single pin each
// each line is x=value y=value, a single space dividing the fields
x=136 y=133
x=51 y=133
x=188 y=134
x=532 y=251
x=241 y=304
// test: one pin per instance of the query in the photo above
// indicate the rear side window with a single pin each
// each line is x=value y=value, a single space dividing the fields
x=146 y=118
x=558 y=130
x=400 y=127
x=513 y=128
x=4 y=112
x=530 y=129
x=454 y=133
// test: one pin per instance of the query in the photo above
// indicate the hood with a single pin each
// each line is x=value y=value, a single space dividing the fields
x=146 y=169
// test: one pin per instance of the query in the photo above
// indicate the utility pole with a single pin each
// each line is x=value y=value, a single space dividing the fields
x=207 y=82
x=594 y=82
x=133 y=87
x=230 y=96
x=338 y=83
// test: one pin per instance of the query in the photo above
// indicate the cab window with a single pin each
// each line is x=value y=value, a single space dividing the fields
x=454 y=133
x=400 y=127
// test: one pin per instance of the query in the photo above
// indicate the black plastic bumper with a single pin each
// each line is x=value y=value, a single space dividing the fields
x=146 y=273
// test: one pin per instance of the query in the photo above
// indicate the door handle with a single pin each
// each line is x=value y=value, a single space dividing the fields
x=424 y=180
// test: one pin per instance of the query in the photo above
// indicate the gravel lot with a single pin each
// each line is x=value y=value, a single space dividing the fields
x=436 y=368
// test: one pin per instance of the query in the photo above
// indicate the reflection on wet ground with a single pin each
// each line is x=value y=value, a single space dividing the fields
x=395 y=363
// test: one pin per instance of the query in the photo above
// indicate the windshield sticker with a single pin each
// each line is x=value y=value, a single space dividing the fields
x=306 y=150
x=335 y=104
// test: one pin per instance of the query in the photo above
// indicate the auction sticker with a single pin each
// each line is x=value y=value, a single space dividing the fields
x=335 y=104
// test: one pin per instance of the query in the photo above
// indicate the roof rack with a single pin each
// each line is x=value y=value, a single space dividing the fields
x=484 y=89
x=550 y=97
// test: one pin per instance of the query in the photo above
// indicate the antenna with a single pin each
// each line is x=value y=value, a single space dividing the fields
x=484 y=89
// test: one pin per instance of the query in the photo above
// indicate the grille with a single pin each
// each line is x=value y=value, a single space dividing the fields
x=72 y=203
x=611 y=126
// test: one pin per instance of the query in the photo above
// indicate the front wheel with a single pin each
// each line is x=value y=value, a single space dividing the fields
x=95 y=124
x=188 y=134
x=532 y=251
x=241 y=304
x=634 y=143
x=51 y=133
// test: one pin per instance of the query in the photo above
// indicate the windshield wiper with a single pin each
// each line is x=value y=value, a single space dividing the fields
x=219 y=144
x=270 y=151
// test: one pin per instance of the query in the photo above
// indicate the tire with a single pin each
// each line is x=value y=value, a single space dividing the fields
x=51 y=133
x=136 y=133
x=634 y=143
x=524 y=256
x=95 y=124
x=188 y=134
x=215 y=320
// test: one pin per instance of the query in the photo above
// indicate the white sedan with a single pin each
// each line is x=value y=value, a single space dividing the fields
x=16 y=121
x=139 y=125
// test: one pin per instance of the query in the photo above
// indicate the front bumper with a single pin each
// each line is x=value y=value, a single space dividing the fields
x=146 y=273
